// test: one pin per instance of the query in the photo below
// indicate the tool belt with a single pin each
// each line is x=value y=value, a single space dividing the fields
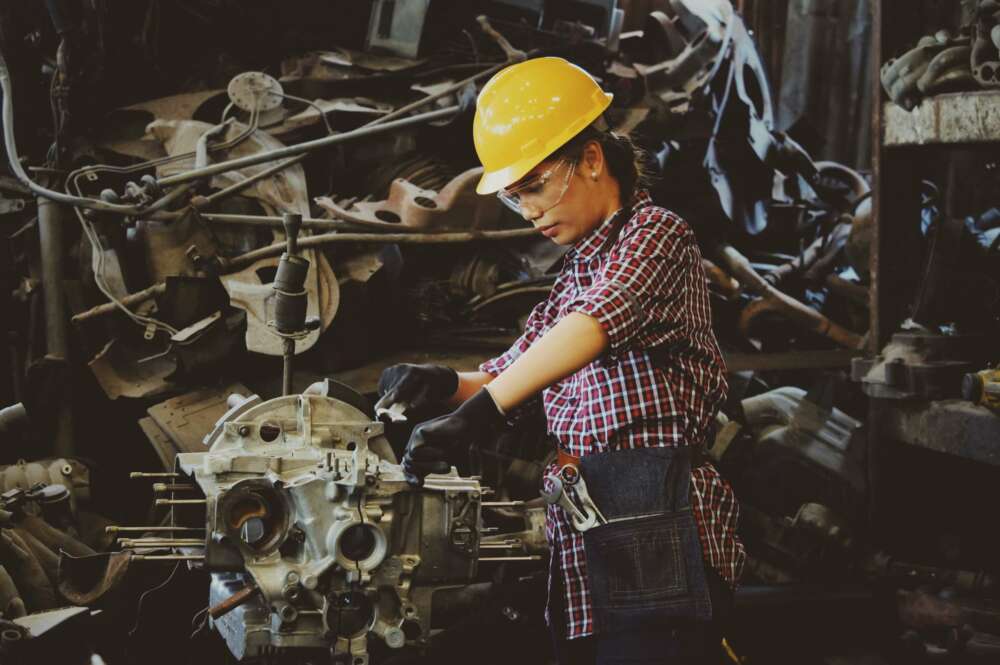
x=697 y=454
x=644 y=559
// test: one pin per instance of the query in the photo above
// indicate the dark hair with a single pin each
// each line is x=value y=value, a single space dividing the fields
x=625 y=160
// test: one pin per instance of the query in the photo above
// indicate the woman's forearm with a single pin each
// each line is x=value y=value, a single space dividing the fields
x=569 y=345
x=469 y=384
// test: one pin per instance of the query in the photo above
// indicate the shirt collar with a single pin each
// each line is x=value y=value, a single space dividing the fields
x=589 y=246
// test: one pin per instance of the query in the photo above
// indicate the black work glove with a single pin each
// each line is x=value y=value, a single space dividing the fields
x=434 y=441
x=415 y=387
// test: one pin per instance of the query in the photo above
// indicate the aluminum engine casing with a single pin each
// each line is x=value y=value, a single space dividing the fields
x=304 y=500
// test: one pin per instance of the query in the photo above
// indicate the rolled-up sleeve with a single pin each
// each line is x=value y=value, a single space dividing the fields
x=647 y=271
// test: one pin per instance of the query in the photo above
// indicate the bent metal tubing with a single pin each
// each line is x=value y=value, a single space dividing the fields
x=308 y=146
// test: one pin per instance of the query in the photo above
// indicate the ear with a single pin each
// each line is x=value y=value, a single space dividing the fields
x=592 y=160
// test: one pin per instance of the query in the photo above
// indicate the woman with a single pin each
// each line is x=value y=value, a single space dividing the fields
x=630 y=375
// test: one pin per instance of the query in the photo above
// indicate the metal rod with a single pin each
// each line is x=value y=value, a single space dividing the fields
x=501 y=504
x=50 y=241
x=500 y=546
x=142 y=529
x=173 y=487
x=168 y=557
x=314 y=223
x=243 y=260
x=201 y=202
x=127 y=301
x=234 y=601
x=154 y=542
x=147 y=474
x=403 y=110
x=308 y=146
x=181 y=502
x=288 y=354
x=511 y=558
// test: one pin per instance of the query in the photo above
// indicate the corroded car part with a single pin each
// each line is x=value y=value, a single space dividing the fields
x=938 y=63
x=985 y=34
x=304 y=501
x=689 y=40
x=457 y=206
x=772 y=300
x=69 y=473
x=250 y=289
x=920 y=365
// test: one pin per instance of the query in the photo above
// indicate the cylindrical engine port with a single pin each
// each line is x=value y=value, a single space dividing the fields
x=358 y=542
x=350 y=613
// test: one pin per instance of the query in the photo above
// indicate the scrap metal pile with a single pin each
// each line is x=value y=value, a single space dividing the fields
x=946 y=62
x=197 y=189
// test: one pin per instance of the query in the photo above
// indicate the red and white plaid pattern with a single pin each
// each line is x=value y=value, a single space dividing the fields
x=659 y=384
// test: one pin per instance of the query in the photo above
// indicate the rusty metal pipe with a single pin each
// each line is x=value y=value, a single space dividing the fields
x=236 y=188
x=50 y=241
x=308 y=146
x=243 y=260
x=234 y=601
x=774 y=300
x=127 y=301
x=275 y=222
x=160 y=488
x=853 y=292
x=151 y=529
x=398 y=113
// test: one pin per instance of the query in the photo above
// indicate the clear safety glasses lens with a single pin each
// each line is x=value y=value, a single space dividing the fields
x=541 y=192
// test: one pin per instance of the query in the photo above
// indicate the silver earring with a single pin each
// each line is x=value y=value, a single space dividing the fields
x=593 y=174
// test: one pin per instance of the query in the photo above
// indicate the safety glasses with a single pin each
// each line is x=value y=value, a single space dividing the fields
x=540 y=192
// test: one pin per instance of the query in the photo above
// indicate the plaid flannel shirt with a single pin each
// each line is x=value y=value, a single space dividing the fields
x=659 y=384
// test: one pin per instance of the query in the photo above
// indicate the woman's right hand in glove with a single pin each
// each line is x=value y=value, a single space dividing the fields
x=415 y=387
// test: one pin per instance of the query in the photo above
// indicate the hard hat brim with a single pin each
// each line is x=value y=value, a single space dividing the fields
x=494 y=181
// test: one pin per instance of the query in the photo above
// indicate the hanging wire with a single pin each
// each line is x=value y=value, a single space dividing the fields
x=138 y=608
x=73 y=187
x=203 y=614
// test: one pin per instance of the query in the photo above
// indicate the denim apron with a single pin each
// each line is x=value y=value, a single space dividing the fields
x=645 y=566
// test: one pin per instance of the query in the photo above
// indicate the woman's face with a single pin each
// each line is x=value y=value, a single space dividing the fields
x=573 y=197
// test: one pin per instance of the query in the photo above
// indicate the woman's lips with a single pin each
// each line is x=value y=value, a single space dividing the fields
x=549 y=231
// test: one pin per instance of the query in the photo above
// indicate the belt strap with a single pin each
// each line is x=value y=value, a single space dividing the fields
x=563 y=458
x=698 y=457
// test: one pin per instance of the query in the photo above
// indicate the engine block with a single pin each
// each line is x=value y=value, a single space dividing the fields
x=306 y=504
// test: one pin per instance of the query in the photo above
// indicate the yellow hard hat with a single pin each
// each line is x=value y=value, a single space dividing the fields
x=528 y=111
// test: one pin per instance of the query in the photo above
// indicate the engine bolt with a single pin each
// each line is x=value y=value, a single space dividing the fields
x=244 y=430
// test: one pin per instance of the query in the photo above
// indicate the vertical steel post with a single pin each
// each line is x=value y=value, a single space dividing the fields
x=50 y=239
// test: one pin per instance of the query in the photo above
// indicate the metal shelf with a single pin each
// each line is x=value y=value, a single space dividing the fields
x=953 y=118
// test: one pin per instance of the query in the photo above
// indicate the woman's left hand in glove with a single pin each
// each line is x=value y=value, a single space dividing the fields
x=433 y=442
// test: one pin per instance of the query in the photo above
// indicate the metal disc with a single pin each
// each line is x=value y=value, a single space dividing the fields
x=255 y=89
